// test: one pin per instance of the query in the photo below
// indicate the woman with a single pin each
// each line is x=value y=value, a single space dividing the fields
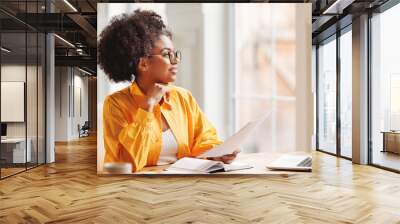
x=150 y=122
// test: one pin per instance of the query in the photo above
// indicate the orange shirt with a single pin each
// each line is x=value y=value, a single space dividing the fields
x=134 y=135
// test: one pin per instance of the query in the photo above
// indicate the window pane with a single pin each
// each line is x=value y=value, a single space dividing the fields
x=346 y=94
x=13 y=84
x=266 y=60
x=327 y=97
x=266 y=73
x=41 y=98
x=32 y=87
x=31 y=97
x=386 y=89
x=286 y=125
x=22 y=84
x=247 y=110
x=286 y=66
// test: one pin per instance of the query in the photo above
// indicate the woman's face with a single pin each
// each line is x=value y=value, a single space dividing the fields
x=161 y=69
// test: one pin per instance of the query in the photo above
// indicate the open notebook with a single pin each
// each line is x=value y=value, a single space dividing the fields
x=189 y=165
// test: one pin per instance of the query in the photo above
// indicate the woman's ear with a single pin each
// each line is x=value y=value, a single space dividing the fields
x=143 y=64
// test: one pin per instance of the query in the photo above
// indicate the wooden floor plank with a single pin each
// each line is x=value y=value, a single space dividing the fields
x=69 y=191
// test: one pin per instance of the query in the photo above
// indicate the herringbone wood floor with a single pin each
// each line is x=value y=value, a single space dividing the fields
x=69 y=191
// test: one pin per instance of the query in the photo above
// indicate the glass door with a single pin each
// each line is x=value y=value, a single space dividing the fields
x=327 y=96
x=346 y=93
x=385 y=89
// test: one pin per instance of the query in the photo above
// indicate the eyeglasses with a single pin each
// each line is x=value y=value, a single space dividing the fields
x=173 y=56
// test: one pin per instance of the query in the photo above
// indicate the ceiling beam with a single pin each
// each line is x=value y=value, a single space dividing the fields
x=75 y=61
x=337 y=7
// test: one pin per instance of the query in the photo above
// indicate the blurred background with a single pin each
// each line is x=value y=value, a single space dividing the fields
x=240 y=61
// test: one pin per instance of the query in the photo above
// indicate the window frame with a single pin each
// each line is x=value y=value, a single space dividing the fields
x=234 y=97
x=28 y=29
x=381 y=9
x=334 y=37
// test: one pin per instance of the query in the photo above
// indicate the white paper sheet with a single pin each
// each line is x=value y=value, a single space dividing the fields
x=233 y=143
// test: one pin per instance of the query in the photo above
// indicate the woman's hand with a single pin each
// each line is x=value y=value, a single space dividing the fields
x=228 y=158
x=155 y=95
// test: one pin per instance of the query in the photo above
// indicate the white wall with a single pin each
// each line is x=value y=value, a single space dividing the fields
x=217 y=65
x=15 y=72
x=68 y=82
x=33 y=127
x=61 y=103
x=188 y=36
x=79 y=117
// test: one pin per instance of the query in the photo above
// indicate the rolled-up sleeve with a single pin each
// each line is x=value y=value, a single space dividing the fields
x=124 y=141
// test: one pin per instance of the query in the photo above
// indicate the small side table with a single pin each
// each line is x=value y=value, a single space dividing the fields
x=391 y=141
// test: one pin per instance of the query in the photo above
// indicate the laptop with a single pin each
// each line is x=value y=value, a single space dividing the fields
x=292 y=163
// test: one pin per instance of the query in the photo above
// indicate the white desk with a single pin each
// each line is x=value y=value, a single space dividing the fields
x=257 y=160
x=15 y=148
